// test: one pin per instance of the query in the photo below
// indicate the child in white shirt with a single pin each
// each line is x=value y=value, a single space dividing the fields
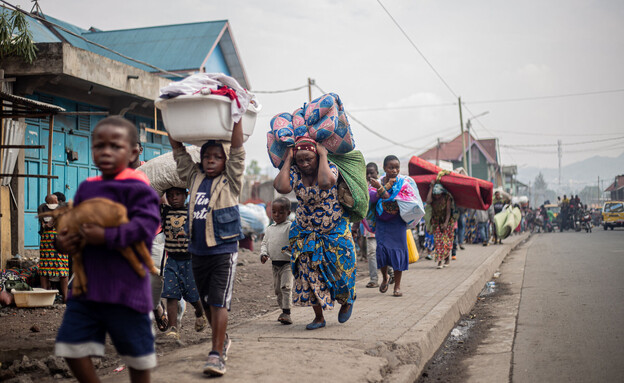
x=275 y=246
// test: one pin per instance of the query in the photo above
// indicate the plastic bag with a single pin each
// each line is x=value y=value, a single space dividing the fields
x=254 y=219
x=411 y=247
x=161 y=171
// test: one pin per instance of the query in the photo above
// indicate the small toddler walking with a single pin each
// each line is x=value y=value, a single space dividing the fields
x=179 y=281
x=275 y=247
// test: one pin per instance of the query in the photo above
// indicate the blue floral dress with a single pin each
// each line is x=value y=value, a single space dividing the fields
x=323 y=253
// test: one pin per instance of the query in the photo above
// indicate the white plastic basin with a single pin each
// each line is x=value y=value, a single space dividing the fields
x=195 y=119
x=36 y=298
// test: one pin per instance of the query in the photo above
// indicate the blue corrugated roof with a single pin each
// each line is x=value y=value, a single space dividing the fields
x=75 y=41
x=170 y=47
x=40 y=33
x=179 y=47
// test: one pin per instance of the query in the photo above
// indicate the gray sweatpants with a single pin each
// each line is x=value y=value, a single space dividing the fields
x=371 y=255
x=283 y=282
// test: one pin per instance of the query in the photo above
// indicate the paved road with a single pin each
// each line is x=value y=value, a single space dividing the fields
x=571 y=315
x=387 y=339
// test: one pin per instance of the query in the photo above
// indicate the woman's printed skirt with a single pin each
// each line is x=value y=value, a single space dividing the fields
x=443 y=239
x=324 y=266
x=51 y=262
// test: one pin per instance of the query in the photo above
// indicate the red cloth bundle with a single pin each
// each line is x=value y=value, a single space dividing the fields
x=468 y=192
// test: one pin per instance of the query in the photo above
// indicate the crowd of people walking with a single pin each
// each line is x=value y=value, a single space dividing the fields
x=342 y=205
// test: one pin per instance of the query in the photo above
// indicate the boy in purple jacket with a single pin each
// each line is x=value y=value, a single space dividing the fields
x=118 y=301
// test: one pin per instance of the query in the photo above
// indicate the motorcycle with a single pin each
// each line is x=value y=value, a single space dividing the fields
x=539 y=224
x=587 y=222
x=577 y=221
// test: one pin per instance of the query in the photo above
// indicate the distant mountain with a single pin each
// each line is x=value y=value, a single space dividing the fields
x=579 y=174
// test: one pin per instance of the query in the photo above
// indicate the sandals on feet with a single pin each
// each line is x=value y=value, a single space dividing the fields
x=162 y=322
x=383 y=287
x=397 y=293
x=200 y=323
x=372 y=284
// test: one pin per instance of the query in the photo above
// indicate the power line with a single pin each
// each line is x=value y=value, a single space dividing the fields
x=440 y=134
x=603 y=148
x=367 y=128
x=377 y=134
x=534 y=98
x=517 y=99
x=465 y=103
x=281 y=91
x=376 y=109
x=553 y=152
x=417 y=49
x=554 y=135
x=492 y=101
x=430 y=145
x=569 y=144
x=45 y=21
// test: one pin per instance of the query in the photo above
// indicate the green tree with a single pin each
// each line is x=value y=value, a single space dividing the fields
x=254 y=169
x=15 y=37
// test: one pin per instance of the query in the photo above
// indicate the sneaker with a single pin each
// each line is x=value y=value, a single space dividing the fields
x=454 y=258
x=485 y=244
x=462 y=247
x=215 y=366
x=284 y=319
x=226 y=347
x=200 y=323
x=173 y=333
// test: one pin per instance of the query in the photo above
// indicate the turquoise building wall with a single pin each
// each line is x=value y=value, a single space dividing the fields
x=70 y=133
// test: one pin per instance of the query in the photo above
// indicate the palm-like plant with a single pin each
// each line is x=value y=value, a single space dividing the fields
x=15 y=37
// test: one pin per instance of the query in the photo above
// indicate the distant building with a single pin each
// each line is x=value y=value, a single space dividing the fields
x=616 y=189
x=88 y=83
x=483 y=154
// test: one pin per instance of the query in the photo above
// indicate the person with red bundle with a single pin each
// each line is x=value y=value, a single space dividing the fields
x=442 y=222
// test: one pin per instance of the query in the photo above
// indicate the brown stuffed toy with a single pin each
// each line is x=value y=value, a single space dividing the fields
x=105 y=213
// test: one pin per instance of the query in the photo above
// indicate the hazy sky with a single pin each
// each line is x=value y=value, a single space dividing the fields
x=491 y=53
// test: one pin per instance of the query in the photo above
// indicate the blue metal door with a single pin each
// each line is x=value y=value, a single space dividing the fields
x=78 y=170
x=151 y=151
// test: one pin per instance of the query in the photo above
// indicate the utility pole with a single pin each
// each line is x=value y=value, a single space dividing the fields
x=469 y=170
x=598 y=190
x=438 y=153
x=310 y=83
x=461 y=124
x=559 y=154
x=500 y=163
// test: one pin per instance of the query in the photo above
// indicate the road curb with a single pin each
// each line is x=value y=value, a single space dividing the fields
x=426 y=337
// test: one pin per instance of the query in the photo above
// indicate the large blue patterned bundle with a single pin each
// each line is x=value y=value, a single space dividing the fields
x=324 y=120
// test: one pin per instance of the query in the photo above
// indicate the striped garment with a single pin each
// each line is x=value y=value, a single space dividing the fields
x=51 y=262
x=174 y=228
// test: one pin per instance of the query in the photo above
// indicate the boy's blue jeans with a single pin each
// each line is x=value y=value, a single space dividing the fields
x=483 y=231
x=461 y=228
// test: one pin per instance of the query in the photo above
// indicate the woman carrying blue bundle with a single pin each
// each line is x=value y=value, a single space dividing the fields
x=322 y=248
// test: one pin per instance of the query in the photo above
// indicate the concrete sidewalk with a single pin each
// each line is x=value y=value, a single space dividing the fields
x=387 y=339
